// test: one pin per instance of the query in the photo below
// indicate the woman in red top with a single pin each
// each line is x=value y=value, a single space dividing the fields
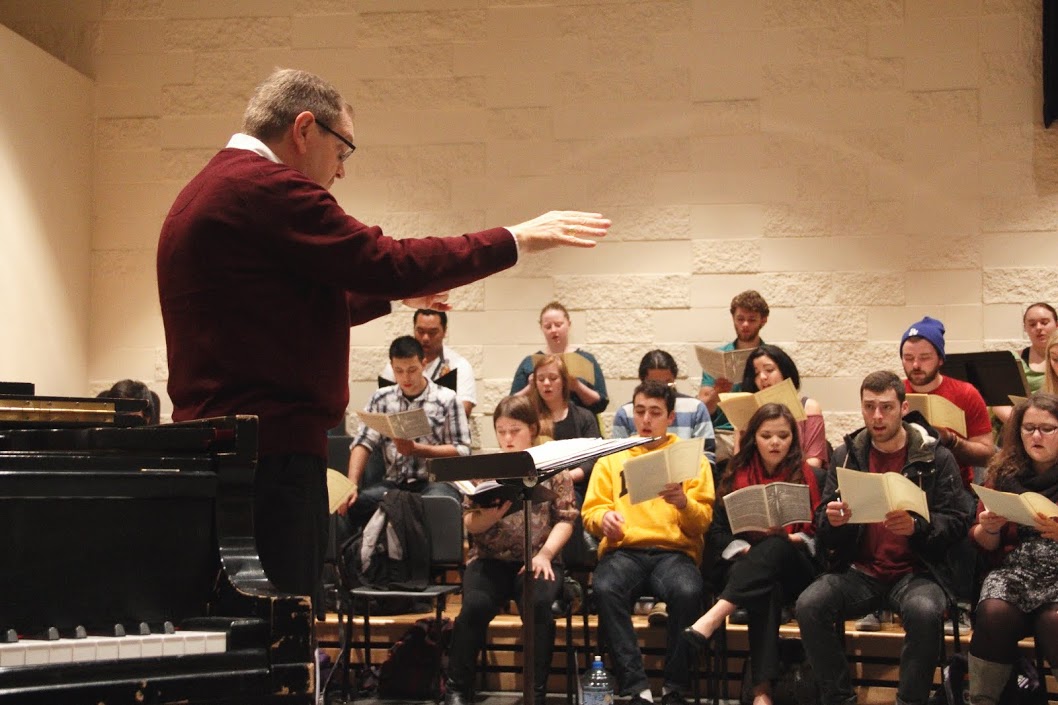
x=768 y=569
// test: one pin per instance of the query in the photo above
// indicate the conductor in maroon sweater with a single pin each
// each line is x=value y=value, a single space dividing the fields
x=261 y=274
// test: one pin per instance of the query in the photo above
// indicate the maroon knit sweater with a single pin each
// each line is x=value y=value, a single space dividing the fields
x=261 y=274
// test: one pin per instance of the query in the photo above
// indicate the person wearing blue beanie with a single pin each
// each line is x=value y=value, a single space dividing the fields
x=929 y=328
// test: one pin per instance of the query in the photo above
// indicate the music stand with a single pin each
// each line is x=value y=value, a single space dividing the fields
x=996 y=374
x=523 y=471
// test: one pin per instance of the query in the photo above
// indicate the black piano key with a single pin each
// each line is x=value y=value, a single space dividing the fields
x=168 y=628
x=119 y=630
x=80 y=632
x=51 y=634
x=143 y=629
x=8 y=636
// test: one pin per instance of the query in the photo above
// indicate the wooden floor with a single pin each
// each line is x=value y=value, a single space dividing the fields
x=873 y=656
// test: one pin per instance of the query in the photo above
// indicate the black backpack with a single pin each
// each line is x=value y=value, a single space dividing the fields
x=392 y=551
x=413 y=668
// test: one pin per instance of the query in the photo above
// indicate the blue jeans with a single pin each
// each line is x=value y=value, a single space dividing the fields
x=671 y=577
x=835 y=597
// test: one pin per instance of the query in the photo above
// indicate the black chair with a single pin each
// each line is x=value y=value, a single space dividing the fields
x=444 y=519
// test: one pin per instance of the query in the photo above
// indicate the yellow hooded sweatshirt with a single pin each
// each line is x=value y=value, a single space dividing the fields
x=654 y=523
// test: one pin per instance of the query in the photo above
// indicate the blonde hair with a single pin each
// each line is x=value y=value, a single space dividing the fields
x=283 y=96
x=1050 y=379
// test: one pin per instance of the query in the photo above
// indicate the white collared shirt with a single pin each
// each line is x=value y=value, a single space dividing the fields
x=251 y=144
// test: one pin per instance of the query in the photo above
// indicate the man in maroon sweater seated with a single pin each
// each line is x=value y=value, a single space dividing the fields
x=261 y=274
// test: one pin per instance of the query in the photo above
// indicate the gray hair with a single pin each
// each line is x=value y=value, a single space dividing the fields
x=283 y=96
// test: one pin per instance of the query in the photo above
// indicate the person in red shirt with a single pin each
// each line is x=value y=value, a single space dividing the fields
x=922 y=354
x=896 y=564
x=260 y=276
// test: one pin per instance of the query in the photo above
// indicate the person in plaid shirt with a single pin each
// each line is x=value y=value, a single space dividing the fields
x=406 y=459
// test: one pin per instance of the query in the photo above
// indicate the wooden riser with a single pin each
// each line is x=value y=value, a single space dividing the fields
x=873 y=656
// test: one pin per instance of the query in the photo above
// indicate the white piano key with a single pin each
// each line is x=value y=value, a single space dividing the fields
x=173 y=645
x=216 y=642
x=130 y=646
x=153 y=645
x=60 y=651
x=36 y=651
x=12 y=655
x=106 y=647
x=194 y=642
x=83 y=650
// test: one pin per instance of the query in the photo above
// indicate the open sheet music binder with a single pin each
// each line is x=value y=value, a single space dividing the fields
x=556 y=456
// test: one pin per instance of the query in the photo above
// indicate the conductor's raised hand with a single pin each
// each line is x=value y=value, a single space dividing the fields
x=559 y=229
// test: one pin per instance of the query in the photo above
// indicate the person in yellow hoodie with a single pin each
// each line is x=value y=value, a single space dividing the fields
x=653 y=547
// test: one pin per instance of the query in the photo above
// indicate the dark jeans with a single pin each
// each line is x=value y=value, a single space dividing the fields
x=368 y=499
x=772 y=574
x=487 y=585
x=670 y=576
x=835 y=597
x=290 y=520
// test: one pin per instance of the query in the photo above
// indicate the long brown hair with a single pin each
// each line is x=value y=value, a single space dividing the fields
x=547 y=424
x=1012 y=460
x=747 y=450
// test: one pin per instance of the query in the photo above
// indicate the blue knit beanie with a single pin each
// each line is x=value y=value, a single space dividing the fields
x=929 y=328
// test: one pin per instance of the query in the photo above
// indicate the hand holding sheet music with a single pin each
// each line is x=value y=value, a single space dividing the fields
x=723 y=364
x=646 y=475
x=407 y=425
x=764 y=507
x=739 y=407
x=939 y=412
x=1019 y=508
x=871 y=496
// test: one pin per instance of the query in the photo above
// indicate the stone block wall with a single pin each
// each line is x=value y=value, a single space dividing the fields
x=860 y=163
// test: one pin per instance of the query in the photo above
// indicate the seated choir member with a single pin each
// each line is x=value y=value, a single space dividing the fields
x=1039 y=321
x=653 y=547
x=767 y=366
x=899 y=563
x=560 y=418
x=555 y=325
x=1020 y=596
x=496 y=561
x=768 y=569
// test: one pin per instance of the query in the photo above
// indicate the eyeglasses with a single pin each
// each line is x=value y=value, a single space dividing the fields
x=1029 y=429
x=352 y=147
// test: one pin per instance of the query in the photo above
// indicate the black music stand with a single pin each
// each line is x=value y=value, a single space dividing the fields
x=996 y=374
x=521 y=469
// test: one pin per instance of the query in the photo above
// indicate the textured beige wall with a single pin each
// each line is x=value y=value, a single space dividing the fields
x=45 y=219
x=861 y=163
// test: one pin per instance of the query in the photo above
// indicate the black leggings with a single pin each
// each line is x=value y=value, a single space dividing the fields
x=1000 y=624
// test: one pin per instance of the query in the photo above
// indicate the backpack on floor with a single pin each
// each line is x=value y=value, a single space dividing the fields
x=413 y=670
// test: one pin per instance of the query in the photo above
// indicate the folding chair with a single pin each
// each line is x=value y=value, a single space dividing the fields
x=444 y=519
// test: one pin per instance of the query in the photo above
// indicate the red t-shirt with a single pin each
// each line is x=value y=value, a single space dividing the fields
x=965 y=396
x=883 y=554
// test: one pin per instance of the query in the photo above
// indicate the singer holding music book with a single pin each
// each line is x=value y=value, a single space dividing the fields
x=496 y=561
x=767 y=569
x=1020 y=595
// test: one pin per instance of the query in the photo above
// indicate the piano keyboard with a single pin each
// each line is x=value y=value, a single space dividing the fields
x=40 y=652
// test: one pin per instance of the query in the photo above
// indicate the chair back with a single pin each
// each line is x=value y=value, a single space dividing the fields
x=444 y=520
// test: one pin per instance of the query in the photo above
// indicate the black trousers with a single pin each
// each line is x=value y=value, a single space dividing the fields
x=773 y=573
x=487 y=585
x=290 y=520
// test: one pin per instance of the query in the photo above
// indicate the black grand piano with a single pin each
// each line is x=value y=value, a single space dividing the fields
x=128 y=571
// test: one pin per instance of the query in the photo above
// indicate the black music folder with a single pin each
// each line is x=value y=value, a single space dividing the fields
x=995 y=373
x=448 y=379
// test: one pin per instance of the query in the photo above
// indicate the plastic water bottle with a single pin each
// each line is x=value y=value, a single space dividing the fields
x=596 y=687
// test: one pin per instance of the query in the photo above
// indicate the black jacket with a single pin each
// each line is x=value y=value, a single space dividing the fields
x=932 y=468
